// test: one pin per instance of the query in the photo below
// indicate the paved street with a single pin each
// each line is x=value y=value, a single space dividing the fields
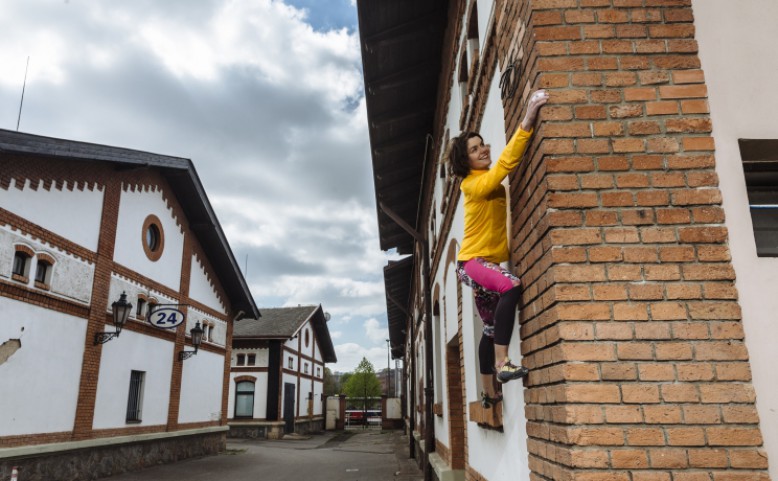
x=350 y=456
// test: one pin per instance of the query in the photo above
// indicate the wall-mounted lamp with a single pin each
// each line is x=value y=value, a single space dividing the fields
x=121 y=311
x=197 y=338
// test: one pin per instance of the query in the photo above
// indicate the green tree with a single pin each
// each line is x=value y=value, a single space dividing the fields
x=363 y=384
x=331 y=387
x=343 y=381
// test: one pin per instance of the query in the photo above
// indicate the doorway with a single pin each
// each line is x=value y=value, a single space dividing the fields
x=289 y=390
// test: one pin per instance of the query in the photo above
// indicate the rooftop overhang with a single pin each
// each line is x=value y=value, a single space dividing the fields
x=402 y=43
x=401 y=54
x=398 y=281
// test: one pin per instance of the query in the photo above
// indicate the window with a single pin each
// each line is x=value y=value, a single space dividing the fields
x=473 y=45
x=305 y=368
x=307 y=338
x=463 y=80
x=42 y=272
x=318 y=372
x=290 y=362
x=135 y=399
x=760 y=165
x=244 y=399
x=241 y=360
x=252 y=360
x=21 y=265
x=139 y=309
x=153 y=237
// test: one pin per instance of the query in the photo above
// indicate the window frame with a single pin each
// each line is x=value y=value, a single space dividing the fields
x=239 y=395
x=135 y=397
x=760 y=169
x=20 y=269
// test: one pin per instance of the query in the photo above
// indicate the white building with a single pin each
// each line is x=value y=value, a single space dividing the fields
x=277 y=372
x=82 y=225
x=643 y=223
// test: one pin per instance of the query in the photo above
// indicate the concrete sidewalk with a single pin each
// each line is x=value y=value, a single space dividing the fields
x=341 y=456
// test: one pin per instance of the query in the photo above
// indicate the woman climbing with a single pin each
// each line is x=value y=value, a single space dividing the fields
x=485 y=243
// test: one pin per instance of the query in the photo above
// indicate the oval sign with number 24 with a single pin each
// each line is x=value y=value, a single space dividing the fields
x=166 y=317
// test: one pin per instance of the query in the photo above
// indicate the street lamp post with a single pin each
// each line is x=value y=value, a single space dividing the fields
x=388 y=368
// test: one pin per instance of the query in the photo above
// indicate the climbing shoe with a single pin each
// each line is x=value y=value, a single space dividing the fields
x=508 y=371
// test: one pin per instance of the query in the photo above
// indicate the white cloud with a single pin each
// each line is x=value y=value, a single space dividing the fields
x=270 y=109
x=375 y=332
x=350 y=354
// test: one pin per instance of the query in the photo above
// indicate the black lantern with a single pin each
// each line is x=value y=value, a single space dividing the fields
x=121 y=312
x=197 y=339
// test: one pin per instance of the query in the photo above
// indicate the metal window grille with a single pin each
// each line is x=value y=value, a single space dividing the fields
x=135 y=399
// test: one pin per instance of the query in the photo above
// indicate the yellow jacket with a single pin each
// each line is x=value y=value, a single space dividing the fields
x=485 y=205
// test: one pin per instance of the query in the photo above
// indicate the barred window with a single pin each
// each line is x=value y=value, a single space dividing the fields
x=135 y=398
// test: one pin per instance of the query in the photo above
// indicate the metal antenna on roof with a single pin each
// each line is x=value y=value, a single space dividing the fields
x=19 y=118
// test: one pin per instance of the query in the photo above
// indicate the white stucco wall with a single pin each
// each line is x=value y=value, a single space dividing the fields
x=71 y=277
x=317 y=353
x=201 y=288
x=134 y=207
x=53 y=210
x=306 y=386
x=318 y=389
x=46 y=367
x=218 y=330
x=306 y=350
x=260 y=394
x=262 y=359
x=201 y=388
x=737 y=49
x=133 y=352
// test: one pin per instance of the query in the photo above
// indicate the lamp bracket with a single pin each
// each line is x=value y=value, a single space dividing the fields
x=103 y=337
x=184 y=355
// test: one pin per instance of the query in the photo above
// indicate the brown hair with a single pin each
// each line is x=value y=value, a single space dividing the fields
x=457 y=153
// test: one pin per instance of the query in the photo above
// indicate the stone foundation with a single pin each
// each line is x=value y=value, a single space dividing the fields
x=274 y=429
x=99 y=458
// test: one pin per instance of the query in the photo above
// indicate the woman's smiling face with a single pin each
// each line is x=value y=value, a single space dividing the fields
x=479 y=155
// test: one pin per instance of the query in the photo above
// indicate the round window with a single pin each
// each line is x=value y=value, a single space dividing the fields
x=307 y=339
x=153 y=237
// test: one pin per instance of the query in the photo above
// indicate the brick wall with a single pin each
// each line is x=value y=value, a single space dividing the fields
x=630 y=320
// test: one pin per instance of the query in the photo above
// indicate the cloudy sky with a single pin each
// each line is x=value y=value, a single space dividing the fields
x=265 y=97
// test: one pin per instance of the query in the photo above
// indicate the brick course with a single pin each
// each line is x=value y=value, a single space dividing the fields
x=630 y=320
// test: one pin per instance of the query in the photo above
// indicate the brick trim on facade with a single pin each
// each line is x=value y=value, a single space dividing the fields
x=630 y=321
x=90 y=369
x=70 y=175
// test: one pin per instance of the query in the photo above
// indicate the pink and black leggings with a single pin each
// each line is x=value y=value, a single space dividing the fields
x=496 y=295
